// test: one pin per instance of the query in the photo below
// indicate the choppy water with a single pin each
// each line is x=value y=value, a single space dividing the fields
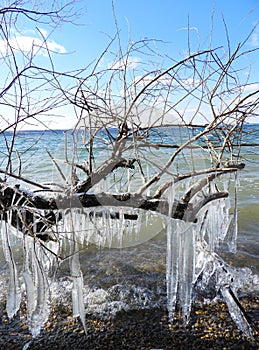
x=132 y=273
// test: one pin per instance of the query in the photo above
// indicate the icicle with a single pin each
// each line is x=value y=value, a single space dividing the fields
x=26 y=345
x=1 y=221
x=213 y=225
x=78 y=285
x=110 y=228
x=129 y=180
x=115 y=228
x=171 y=198
x=30 y=291
x=180 y=262
x=172 y=261
x=180 y=266
x=201 y=257
x=41 y=312
x=14 y=293
x=84 y=226
x=129 y=229
x=99 y=227
x=148 y=175
x=29 y=284
x=89 y=227
x=225 y=220
x=236 y=311
x=121 y=225
x=105 y=228
x=202 y=219
x=172 y=268
x=80 y=233
x=208 y=271
x=137 y=225
x=186 y=268
x=37 y=287
x=232 y=229
x=232 y=234
x=225 y=181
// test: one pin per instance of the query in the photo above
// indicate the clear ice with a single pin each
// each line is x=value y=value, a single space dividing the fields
x=78 y=285
x=192 y=256
x=36 y=285
x=14 y=291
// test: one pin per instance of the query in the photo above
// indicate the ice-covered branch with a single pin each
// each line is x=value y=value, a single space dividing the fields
x=213 y=173
x=33 y=214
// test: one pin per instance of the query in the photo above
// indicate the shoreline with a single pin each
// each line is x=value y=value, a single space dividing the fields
x=210 y=327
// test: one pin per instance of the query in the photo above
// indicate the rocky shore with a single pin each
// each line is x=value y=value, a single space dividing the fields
x=210 y=327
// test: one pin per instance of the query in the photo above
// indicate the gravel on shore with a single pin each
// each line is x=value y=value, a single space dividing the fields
x=210 y=327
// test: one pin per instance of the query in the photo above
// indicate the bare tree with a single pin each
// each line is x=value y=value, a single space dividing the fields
x=170 y=135
x=27 y=93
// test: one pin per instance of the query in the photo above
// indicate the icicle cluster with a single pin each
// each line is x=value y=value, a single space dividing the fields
x=34 y=276
x=191 y=255
x=180 y=266
x=104 y=227
x=110 y=227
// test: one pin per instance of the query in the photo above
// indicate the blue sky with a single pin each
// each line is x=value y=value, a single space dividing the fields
x=163 y=20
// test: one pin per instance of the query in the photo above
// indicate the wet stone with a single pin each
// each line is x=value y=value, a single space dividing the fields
x=135 y=329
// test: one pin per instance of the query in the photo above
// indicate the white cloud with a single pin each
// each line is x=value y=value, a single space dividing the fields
x=251 y=87
x=29 y=43
x=190 y=28
x=166 y=81
x=145 y=80
x=190 y=82
x=129 y=62
x=255 y=39
x=43 y=32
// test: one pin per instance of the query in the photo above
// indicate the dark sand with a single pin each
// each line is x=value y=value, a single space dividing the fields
x=210 y=327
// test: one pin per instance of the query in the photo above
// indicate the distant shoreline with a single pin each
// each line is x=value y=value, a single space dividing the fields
x=143 y=128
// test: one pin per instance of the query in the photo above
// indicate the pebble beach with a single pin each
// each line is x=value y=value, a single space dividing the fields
x=210 y=327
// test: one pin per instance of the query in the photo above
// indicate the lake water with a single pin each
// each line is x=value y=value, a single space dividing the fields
x=133 y=276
